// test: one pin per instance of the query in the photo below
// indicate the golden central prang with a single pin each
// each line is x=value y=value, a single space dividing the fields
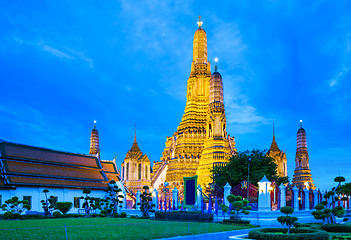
x=201 y=140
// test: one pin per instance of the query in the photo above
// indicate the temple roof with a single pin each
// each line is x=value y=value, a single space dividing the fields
x=274 y=146
x=35 y=166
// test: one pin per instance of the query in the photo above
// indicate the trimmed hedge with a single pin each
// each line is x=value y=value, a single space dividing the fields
x=336 y=228
x=184 y=216
x=348 y=237
x=281 y=233
x=235 y=222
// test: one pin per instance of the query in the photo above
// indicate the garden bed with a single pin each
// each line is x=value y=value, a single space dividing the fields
x=281 y=233
x=184 y=216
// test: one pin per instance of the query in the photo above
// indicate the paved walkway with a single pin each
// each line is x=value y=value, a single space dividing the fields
x=212 y=236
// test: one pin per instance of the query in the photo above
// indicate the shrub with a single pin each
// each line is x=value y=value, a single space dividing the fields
x=236 y=221
x=239 y=206
x=114 y=199
x=297 y=224
x=123 y=215
x=287 y=220
x=185 y=216
x=103 y=213
x=145 y=205
x=345 y=219
x=15 y=205
x=64 y=207
x=342 y=237
x=8 y=215
x=336 y=228
x=56 y=214
x=280 y=233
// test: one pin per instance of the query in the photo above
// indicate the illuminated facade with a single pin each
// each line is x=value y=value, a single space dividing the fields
x=136 y=169
x=279 y=157
x=201 y=138
x=302 y=174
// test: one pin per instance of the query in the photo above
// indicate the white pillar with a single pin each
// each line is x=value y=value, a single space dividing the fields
x=264 y=197
x=199 y=196
x=315 y=198
x=227 y=189
x=307 y=198
x=175 y=197
x=282 y=195
x=124 y=204
x=155 y=198
x=137 y=206
x=296 y=198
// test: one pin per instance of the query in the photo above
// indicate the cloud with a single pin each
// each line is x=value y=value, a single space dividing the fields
x=337 y=78
x=68 y=53
x=55 y=51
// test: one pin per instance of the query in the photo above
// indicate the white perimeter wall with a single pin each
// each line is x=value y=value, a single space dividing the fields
x=62 y=194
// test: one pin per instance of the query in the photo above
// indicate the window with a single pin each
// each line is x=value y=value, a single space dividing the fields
x=146 y=172
x=139 y=171
x=76 y=202
x=29 y=199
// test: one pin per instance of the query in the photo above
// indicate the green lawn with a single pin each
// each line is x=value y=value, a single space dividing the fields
x=104 y=228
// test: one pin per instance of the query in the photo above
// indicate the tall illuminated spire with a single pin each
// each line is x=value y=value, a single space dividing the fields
x=200 y=45
x=94 y=141
x=135 y=132
x=302 y=173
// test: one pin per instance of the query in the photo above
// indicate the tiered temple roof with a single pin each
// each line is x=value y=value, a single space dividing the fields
x=22 y=165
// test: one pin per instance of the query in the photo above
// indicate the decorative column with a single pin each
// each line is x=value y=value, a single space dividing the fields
x=307 y=198
x=282 y=195
x=137 y=206
x=175 y=197
x=315 y=198
x=264 y=197
x=124 y=204
x=155 y=198
x=296 y=198
x=199 y=197
x=227 y=189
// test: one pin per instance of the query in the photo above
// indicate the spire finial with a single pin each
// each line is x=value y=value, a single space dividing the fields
x=273 y=132
x=199 y=22
x=216 y=64
x=300 y=123
x=134 y=132
x=94 y=124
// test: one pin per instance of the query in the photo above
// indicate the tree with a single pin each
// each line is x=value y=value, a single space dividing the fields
x=48 y=204
x=145 y=205
x=325 y=210
x=64 y=207
x=239 y=206
x=15 y=205
x=236 y=169
x=89 y=202
x=112 y=203
x=287 y=220
x=224 y=208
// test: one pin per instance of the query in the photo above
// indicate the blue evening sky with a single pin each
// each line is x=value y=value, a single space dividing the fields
x=64 y=64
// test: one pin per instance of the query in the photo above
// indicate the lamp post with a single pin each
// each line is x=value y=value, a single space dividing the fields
x=248 y=176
